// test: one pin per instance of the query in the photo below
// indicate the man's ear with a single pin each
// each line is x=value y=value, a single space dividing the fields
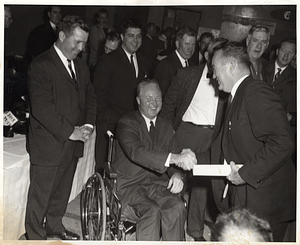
x=247 y=40
x=122 y=37
x=232 y=65
x=206 y=55
x=177 y=44
x=277 y=51
x=61 y=36
x=138 y=100
x=48 y=13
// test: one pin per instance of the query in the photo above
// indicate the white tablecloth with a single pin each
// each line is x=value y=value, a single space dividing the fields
x=16 y=181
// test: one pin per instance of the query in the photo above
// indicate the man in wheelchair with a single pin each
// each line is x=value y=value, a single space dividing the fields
x=147 y=162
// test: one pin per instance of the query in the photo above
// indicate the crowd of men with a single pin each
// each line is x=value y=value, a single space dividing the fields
x=170 y=108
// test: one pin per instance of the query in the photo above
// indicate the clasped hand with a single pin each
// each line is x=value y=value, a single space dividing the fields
x=186 y=159
x=82 y=133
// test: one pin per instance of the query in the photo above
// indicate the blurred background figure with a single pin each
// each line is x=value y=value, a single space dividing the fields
x=148 y=48
x=43 y=36
x=167 y=68
x=98 y=36
x=113 y=41
x=198 y=56
x=241 y=227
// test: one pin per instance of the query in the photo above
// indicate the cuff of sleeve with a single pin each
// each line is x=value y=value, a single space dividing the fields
x=89 y=125
x=167 y=163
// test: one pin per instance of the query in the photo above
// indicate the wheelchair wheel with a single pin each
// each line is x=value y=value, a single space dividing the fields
x=93 y=209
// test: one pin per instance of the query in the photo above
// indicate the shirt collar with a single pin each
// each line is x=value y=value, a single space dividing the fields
x=128 y=54
x=52 y=25
x=236 y=85
x=148 y=121
x=182 y=60
x=277 y=66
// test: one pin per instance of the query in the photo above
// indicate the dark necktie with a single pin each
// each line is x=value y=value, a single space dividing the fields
x=186 y=63
x=132 y=63
x=71 y=70
x=152 y=131
x=276 y=76
x=56 y=31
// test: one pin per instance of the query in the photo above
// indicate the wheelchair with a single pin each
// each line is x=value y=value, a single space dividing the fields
x=100 y=207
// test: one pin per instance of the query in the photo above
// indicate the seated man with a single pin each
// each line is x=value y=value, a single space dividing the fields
x=146 y=180
x=241 y=226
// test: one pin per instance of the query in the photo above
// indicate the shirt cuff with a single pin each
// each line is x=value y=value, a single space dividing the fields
x=167 y=163
x=89 y=125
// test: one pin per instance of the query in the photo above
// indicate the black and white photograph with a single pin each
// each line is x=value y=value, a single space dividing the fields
x=149 y=122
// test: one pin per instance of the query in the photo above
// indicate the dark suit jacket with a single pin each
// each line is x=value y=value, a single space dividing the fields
x=139 y=160
x=148 y=49
x=56 y=106
x=41 y=39
x=166 y=69
x=256 y=133
x=115 y=85
x=285 y=85
x=180 y=94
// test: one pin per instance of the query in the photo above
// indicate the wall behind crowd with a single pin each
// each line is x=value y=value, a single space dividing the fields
x=27 y=17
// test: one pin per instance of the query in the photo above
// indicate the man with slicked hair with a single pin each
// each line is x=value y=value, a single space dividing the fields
x=62 y=116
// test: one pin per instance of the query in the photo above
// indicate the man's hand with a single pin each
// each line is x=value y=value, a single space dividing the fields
x=185 y=160
x=86 y=131
x=234 y=176
x=175 y=183
x=77 y=135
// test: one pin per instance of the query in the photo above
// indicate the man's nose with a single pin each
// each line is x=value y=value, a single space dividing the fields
x=259 y=45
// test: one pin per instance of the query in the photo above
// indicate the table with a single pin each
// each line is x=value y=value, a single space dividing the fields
x=16 y=181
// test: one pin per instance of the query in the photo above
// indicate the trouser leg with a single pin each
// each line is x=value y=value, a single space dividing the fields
x=60 y=198
x=148 y=225
x=197 y=207
x=41 y=185
x=173 y=216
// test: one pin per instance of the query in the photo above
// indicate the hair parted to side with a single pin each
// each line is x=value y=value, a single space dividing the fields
x=145 y=82
x=131 y=23
x=241 y=219
x=186 y=30
x=70 y=22
x=235 y=50
x=113 y=36
x=259 y=28
x=288 y=40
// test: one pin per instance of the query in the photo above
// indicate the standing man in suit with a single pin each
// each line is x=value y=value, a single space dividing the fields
x=257 y=42
x=193 y=105
x=98 y=36
x=148 y=48
x=115 y=79
x=43 y=36
x=198 y=57
x=167 y=68
x=147 y=182
x=256 y=134
x=62 y=116
x=280 y=73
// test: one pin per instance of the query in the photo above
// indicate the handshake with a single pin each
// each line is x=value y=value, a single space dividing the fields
x=185 y=160
x=82 y=133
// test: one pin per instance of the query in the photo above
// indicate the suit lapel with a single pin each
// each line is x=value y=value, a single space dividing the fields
x=58 y=62
x=143 y=127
